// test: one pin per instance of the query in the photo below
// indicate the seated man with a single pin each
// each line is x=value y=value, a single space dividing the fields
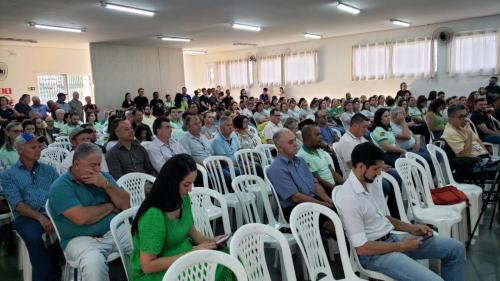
x=26 y=185
x=82 y=203
x=368 y=226
x=484 y=124
x=319 y=162
x=291 y=177
x=163 y=146
x=128 y=155
x=225 y=142
x=73 y=123
x=273 y=125
x=76 y=137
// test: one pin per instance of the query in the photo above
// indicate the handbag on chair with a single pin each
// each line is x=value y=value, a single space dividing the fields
x=448 y=195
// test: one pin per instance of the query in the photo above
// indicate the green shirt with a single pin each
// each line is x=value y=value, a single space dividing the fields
x=8 y=157
x=319 y=162
x=66 y=193
x=66 y=130
x=335 y=112
x=380 y=134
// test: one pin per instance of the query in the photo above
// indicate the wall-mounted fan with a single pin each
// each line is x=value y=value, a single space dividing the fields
x=4 y=70
x=252 y=58
x=442 y=35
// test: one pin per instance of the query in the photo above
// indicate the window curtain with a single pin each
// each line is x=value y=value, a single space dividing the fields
x=301 y=68
x=220 y=74
x=370 y=62
x=413 y=58
x=270 y=71
x=238 y=74
x=474 y=53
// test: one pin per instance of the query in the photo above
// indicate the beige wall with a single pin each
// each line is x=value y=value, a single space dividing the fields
x=24 y=63
x=118 y=69
x=335 y=64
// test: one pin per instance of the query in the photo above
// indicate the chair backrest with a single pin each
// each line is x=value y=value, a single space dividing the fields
x=343 y=168
x=65 y=145
x=62 y=139
x=472 y=125
x=123 y=219
x=397 y=194
x=443 y=169
x=242 y=187
x=53 y=164
x=204 y=174
x=201 y=265
x=266 y=150
x=248 y=160
x=247 y=245
x=337 y=133
x=146 y=144
x=431 y=134
x=133 y=183
x=56 y=154
x=421 y=160
x=213 y=165
x=281 y=218
x=202 y=197
x=304 y=222
x=415 y=183
x=49 y=214
x=496 y=123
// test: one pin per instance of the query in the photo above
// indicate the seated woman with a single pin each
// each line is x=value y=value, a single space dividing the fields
x=163 y=229
x=383 y=137
x=434 y=118
x=247 y=140
x=347 y=115
x=143 y=133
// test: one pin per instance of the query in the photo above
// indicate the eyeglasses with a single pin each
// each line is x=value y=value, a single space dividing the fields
x=460 y=116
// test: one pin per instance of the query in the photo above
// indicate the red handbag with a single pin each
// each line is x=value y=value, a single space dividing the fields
x=448 y=195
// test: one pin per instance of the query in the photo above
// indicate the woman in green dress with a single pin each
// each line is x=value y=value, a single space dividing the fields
x=163 y=229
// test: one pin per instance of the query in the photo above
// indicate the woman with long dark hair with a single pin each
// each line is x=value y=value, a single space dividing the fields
x=434 y=118
x=180 y=103
x=127 y=103
x=384 y=138
x=163 y=229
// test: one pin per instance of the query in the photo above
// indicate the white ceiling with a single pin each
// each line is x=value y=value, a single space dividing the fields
x=208 y=22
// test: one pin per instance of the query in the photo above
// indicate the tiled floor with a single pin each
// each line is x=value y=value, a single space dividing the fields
x=483 y=259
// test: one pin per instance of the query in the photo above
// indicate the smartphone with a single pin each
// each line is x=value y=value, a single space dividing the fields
x=423 y=238
x=222 y=241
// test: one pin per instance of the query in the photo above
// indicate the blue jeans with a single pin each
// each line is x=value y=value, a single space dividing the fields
x=403 y=266
x=492 y=139
x=31 y=232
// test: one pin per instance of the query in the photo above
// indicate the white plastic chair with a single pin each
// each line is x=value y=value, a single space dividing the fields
x=337 y=133
x=123 y=219
x=496 y=123
x=202 y=197
x=65 y=145
x=146 y=144
x=213 y=165
x=133 y=183
x=247 y=245
x=424 y=211
x=201 y=265
x=212 y=211
x=62 y=139
x=244 y=186
x=343 y=168
x=266 y=149
x=494 y=147
x=304 y=222
x=248 y=160
x=445 y=177
x=56 y=154
x=53 y=164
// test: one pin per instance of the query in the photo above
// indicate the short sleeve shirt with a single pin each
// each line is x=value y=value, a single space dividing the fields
x=479 y=118
x=380 y=134
x=318 y=161
x=404 y=144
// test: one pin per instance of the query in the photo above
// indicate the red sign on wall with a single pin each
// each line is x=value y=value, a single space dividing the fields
x=6 y=91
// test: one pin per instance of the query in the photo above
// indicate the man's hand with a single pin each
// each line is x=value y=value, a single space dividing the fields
x=409 y=244
x=421 y=230
x=328 y=203
x=97 y=179
x=46 y=224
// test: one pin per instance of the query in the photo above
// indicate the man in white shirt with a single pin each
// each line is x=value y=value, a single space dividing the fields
x=273 y=126
x=163 y=146
x=147 y=118
x=368 y=226
x=77 y=137
x=354 y=136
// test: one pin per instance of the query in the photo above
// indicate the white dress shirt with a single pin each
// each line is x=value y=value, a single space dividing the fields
x=363 y=213
x=159 y=152
x=346 y=145
x=270 y=129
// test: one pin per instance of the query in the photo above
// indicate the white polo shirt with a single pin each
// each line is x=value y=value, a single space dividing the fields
x=270 y=129
x=346 y=145
x=363 y=213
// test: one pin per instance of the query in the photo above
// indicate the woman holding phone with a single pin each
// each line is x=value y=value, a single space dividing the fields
x=163 y=229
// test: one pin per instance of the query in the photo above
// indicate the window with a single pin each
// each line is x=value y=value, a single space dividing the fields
x=50 y=85
x=270 y=71
x=413 y=58
x=370 y=62
x=474 y=53
x=238 y=74
x=300 y=68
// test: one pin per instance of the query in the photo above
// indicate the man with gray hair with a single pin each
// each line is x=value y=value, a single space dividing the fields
x=26 y=185
x=39 y=108
x=82 y=203
x=75 y=105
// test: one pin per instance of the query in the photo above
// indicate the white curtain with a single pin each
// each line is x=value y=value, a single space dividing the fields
x=220 y=74
x=270 y=71
x=474 y=53
x=370 y=62
x=413 y=58
x=301 y=68
x=238 y=74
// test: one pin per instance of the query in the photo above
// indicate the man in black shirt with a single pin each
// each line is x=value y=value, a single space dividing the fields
x=227 y=99
x=141 y=101
x=493 y=89
x=483 y=123
x=204 y=102
x=23 y=107
x=157 y=105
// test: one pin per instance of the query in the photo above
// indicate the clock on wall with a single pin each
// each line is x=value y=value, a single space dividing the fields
x=3 y=71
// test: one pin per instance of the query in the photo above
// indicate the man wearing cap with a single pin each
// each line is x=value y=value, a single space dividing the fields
x=61 y=97
x=76 y=137
x=26 y=186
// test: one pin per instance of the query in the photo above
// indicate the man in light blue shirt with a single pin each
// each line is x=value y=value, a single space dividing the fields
x=225 y=142
x=38 y=107
x=195 y=143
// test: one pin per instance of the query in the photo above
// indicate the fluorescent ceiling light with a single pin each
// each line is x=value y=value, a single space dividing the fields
x=127 y=9
x=400 y=22
x=194 y=52
x=246 y=27
x=349 y=9
x=175 y=39
x=312 y=36
x=57 y=28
